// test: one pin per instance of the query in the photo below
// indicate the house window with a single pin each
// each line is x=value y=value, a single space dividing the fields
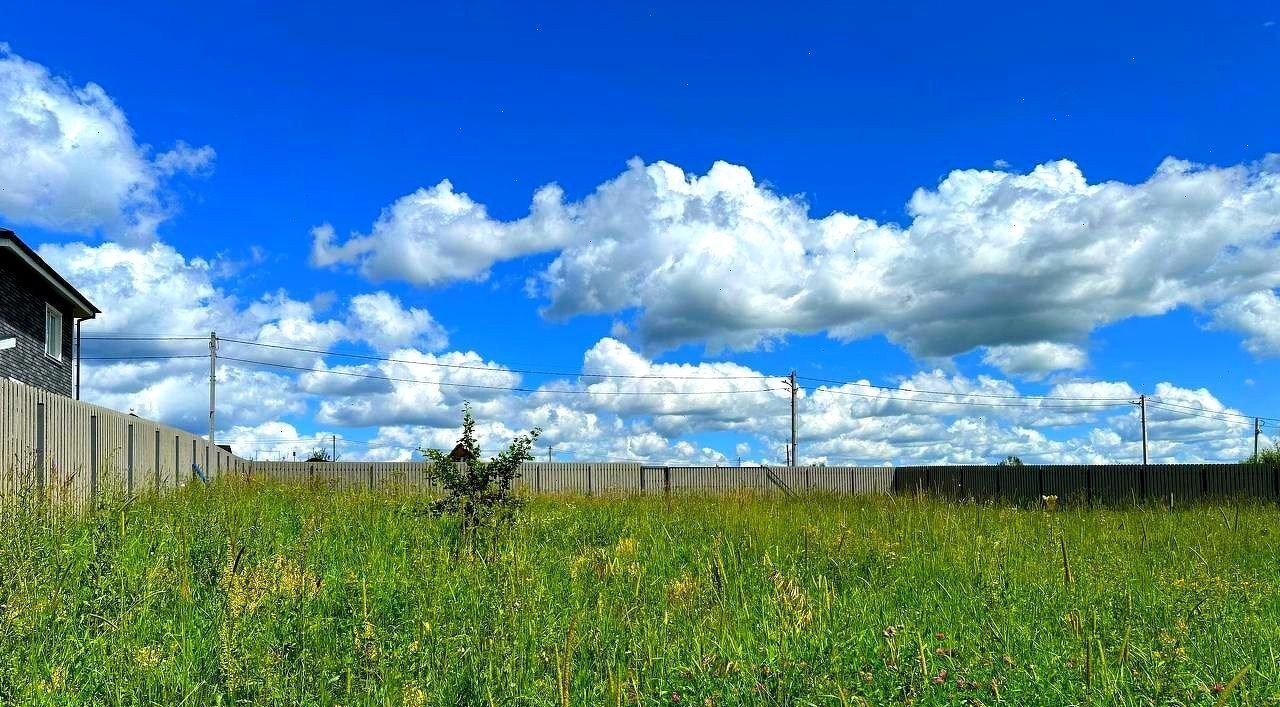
x=52 y=333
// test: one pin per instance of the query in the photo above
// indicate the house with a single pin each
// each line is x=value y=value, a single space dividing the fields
x=40 y=315
x=461 y=454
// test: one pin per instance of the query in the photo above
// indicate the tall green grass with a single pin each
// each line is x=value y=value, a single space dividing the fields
x=239 y=594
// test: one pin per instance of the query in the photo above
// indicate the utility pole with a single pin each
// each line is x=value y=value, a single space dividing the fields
x=790 y=382
x=1257 y=432
x=77 y=359
x=548 y=454
x=213 y=383
x=335 y=447
x=1142 y=408
x=794 y=459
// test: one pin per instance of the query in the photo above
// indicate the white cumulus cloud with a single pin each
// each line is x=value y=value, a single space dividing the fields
x=1025 y=265
x=69 y=159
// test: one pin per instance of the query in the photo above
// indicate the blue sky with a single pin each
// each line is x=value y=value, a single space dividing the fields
x=317 y=117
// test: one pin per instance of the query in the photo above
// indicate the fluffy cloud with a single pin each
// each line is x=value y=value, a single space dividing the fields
x=1257 y=316
x=177 y=393
x=1033 y=360
x=420 y=388
x=69 y=160
x=381 y=320
x=438 y=235
x=1026 y=265
x=163 y=298
x=660 y=411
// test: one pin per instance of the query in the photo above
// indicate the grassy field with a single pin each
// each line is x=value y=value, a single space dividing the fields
x=266 y=595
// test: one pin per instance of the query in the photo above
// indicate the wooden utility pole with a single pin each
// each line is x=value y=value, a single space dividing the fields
x=335 y=447
x=794 y=419
x=1257 y=432
x=1142 y=409
x=213 y=383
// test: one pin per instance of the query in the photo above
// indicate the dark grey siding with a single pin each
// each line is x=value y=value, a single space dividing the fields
x=23 y=295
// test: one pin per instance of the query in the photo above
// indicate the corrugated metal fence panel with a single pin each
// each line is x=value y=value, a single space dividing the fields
x=1101 y=484
x=1069 y=483
x=1120 y=483
x=1178 y=481
x=87 y=447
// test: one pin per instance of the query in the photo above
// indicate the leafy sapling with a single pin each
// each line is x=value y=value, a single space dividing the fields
x=475 y=489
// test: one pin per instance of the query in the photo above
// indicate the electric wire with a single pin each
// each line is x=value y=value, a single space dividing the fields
x=516 y=389
x=1084 y=404
x=526 y=371
x=895 y=393
x=1158 y=401
x=953 y=393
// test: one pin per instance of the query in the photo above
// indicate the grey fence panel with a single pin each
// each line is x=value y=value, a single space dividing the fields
x=980 y=482
x=1117 y=484
x=1069 y=483
x=1096 y=484
x=1179 y=482
x=1019 y=484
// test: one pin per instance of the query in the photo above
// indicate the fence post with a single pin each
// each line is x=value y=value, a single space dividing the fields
x=666 y=480
x=129 y=462
x=157 y=466
x=537 y=478
x=589 y=486
x=93 y=456
x=641 y=479
x=40 y=474
x=371 y=477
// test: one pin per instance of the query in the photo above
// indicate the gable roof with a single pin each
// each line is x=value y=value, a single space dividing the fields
x=81 y=306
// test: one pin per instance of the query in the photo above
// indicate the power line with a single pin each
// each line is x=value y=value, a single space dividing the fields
x=1084 y=404
x=435 y=364
x=514 y=389
x=325 y=440
x=953 y=393
x=1193 y=408
x=142 y=357
x=526 y=371
x=1211 y=416
x=131 y=337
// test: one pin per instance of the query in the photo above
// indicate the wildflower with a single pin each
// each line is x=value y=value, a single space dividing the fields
x=940 y=678
x=1217 y=688
x=675 y=698
x=414 y=696
x=681 y=590
x=1050 y=502
x=942 y=651
x=147 y=656
x=1008 y=660
x=625 y=547
x=940 y=636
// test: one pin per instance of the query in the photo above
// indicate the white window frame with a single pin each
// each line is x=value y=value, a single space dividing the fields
x=55 y=312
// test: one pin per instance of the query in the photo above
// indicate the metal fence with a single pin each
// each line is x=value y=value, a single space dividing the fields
x=1093 y=484
x=74 y=450
x=594 y=478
